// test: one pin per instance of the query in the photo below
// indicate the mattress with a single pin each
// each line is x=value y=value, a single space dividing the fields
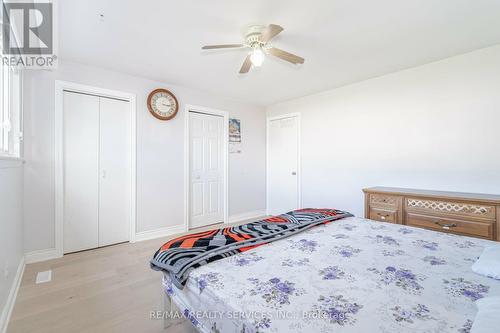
x=352 y=275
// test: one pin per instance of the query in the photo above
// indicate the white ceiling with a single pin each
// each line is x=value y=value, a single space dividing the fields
x=343 y=41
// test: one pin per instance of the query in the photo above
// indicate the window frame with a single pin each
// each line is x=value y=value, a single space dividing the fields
x=11 y=106
x=11 y=112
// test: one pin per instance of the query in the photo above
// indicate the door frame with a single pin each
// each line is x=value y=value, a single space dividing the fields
x=296 y=115
x=187 y=193
x=60 y=87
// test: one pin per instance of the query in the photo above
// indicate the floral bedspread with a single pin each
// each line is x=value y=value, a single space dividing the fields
x=353 y=275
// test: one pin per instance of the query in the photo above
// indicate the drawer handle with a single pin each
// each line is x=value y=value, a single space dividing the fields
x=446 y=226
x=383 y=216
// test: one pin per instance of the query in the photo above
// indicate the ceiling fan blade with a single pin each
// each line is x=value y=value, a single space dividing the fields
x=222 y=46
x=286 y=56
x=270 y=32
x=247 y=64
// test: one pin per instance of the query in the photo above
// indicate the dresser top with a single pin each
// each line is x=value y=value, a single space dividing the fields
x=490 y=198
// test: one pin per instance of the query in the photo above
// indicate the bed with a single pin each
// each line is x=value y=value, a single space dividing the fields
x=350 y=275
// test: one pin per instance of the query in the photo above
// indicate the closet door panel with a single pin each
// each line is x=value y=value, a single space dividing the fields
x=81 y=171
x=115 y=172
x=206 y=169
x=283 y=185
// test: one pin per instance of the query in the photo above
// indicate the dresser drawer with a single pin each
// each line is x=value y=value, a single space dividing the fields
x=384 y=201
x=461 y=227
x=460 y=209
x=382 y=215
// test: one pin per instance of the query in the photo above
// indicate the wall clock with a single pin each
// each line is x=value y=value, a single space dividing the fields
x=162 y=104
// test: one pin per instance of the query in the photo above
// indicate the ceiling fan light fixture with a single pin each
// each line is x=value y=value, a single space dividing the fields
x=257 y=57
x=257 y=39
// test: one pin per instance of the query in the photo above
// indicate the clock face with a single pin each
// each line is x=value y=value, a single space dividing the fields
x=162 y=104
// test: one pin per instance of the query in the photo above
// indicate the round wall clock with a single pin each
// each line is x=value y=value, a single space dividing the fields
x=162 y=104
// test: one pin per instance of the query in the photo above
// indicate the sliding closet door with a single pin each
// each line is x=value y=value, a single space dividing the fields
x=115 y=172
x=81 y=169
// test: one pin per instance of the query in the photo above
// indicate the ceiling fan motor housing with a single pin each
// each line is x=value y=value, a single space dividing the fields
x=253 y=34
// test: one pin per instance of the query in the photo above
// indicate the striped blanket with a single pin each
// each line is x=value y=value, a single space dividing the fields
x=181 y=255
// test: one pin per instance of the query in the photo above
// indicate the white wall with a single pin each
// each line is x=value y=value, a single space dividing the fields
x=434 y=127
x=11 y=229
x=160 y=148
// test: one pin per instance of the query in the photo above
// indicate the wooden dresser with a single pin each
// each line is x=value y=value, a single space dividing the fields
x=469 y=214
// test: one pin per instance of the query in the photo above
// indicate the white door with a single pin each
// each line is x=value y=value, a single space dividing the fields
x=206 y=161
x=81 y=170
x=115 y=165
x=283 y=157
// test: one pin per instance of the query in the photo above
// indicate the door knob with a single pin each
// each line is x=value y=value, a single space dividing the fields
x=294 y=173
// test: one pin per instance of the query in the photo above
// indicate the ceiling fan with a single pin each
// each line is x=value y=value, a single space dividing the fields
x=257 y=38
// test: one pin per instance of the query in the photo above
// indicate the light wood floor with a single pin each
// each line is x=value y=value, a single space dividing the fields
x=110 y=289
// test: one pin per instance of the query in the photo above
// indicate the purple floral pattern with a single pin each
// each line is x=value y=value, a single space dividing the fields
x=465 y=244
x=292 y=263
x=263 y=323
x=246 y=259
x=337 y=309
x=418 y=312
x=345 y=251
x=393 y=253
x=434 y=261
x=275 y=291
x=402 y=278
x=168 y=286
x=349 y=227
x=211 y=279
x=433 y=246
x=334 y=273
x=467 y=327
x=388 y=240
x=458 y=287
x=191 y=317
x=405 y=231
x=304 y=245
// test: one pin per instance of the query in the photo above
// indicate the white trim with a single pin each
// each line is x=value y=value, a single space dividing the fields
x=11 y=299
x=246 y=216
x=41 y=255
x=225 y=115
x=60 y=86
x=158 y=233
x=299 y=157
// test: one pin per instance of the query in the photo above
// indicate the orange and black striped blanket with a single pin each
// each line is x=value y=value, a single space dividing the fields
x=181 y=255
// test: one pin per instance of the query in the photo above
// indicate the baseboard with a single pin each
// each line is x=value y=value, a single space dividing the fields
x=158 y=233
x=169 y=231
x=11 y=299
x=41 y=255
x=246 y=216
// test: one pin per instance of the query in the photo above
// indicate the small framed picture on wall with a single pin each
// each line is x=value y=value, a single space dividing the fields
x=234 y=136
